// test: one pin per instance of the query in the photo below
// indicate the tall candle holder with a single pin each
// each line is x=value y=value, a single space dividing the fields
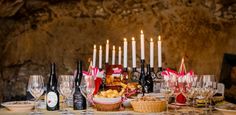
x=134 y=75
x=158 y=79
x=125 y=75
x=142 y=80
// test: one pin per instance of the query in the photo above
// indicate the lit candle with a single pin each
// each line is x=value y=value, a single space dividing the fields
x=159 y=52
x=142 y=45
x=113 y=55
x=133 y=52
x=94 y=55
x=151 y=53
x=125 y=53
x=100 y=57
x=119 y=56
x=107 y=52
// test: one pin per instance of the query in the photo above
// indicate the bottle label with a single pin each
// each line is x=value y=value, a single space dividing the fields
x=52 y=99
x=79 y=101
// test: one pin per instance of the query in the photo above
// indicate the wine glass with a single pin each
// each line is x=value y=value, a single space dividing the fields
x=174 y=85
x=87 y=88
x=36 y=88
x=206 y=89
x=167 y=91
x=211 y=84
x=66 y=87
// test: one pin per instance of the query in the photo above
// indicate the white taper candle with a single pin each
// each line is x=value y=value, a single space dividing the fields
x=119 y=56
x=133 y=53
x=100 y=57
x=94 y=55
x=113 y=55
x=142 y=45
x=107 y=51
x=125 y=53
x=151 y=53
x=159 y=52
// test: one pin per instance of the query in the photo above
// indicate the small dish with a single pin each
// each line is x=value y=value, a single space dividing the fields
x=19 y=105
x=226 y=108
x=127 y=103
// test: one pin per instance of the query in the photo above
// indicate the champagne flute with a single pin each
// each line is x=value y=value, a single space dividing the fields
x=66 y=88
x=36 y=88
x=87 y=88
x=167 y=91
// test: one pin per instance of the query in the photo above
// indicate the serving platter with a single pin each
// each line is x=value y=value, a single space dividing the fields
x=226 y=108
x=19 y=105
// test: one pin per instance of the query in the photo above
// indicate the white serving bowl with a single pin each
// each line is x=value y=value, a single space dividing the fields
x=19 y=105
x=127 y=103
x=106 y=100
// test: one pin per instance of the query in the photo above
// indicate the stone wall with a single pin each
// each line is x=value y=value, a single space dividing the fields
x=34 y=33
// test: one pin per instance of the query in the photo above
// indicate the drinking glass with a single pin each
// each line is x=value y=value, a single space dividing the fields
x=167 y=91
x=87 y=88
x=66 y=87
x=36 y=88
x=211 y=84
x=207 y=89
x=193 y=93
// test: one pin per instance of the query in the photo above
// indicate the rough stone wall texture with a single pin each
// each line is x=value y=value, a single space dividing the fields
x=34 y=33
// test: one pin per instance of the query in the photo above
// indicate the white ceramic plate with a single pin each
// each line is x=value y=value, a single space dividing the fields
x=223 y=108
x=19 y=105
x=107 y=100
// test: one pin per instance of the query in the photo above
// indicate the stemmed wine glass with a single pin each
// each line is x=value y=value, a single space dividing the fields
x=209 y=82
x=87 y=88
x=66 y=87
x=167 y=91
x=36 y=88
x=174 y=85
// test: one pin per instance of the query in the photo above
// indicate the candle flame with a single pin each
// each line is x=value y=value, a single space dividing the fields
x=114 y=47
x=100 y=47
x=119 y=48
x=133 y=39
x=151 y=39
x=125 y=39
x=159 y=38
x=107 y=41
x=94 y=46
x=141 y=31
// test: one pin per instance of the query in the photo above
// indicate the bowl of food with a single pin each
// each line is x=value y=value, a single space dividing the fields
x=109 y=100
x=19 y=105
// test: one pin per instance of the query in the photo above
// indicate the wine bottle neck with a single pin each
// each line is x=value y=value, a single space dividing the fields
x=79 y=73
